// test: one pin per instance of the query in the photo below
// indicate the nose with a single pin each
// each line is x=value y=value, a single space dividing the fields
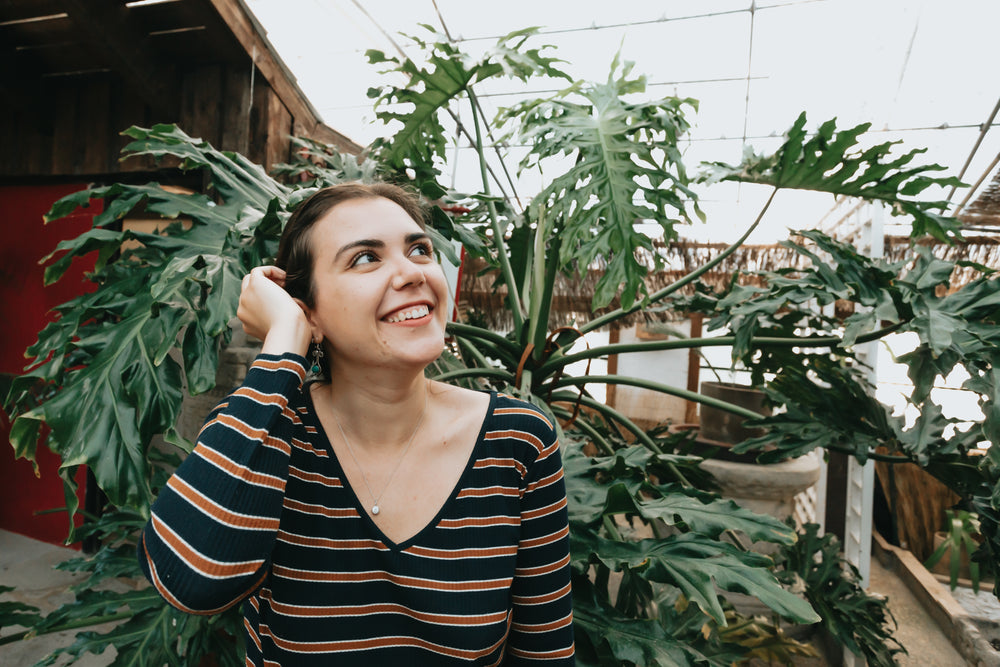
x=408 y=274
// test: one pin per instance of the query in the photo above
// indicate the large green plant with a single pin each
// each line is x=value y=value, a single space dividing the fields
x=105 y=383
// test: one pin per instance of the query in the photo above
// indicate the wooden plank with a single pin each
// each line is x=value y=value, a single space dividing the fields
x=64 y=130
x=128 y=110
x=279 y=128
x=201 y=91
x=694 y=369
x=257 y=149
x=94 y=126
x=235 y=113
x=250 y=35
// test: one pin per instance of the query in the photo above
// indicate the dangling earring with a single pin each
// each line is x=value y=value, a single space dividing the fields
x=317 y=356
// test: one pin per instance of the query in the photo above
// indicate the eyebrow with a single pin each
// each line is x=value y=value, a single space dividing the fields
x=375 y=243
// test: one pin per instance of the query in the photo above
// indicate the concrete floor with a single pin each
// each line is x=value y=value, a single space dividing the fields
x=920 y=635
x=28 y=565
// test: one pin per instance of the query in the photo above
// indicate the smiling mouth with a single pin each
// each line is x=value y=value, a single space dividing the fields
x=414 y=313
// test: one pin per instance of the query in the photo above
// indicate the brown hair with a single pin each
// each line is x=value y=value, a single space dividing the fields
x=295 y=252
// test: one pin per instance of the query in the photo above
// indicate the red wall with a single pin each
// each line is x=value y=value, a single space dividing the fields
x=25 y=304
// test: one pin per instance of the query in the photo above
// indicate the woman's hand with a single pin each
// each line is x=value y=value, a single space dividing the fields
x=270 y=314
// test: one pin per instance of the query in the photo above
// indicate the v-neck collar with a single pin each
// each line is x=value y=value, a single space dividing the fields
x=372 y=526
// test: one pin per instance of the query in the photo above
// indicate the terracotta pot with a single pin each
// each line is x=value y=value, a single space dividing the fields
x=724 y=426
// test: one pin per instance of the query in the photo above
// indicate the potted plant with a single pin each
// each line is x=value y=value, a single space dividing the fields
x=953 y=548
x=105 y=383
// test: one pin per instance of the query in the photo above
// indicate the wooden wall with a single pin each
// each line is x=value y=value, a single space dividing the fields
x=74 y=130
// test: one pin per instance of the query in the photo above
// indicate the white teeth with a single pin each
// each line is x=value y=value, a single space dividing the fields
x=411 y=314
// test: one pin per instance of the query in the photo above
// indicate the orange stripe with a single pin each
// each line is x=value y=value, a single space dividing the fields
x=546 y=481
x=308 y=508
x=308 y=447
x=327 y=543
x=545 y=627
x=489 y=491
x=238 y=471
x=173 y=601
x=333 y=482
x=541 y=599
x=220 y=514
x=195 y=561
x=379 y=575
x=543 y=655
x=480 y=522
x=523 y=411
x=250 y=631
x=544 y=511
x=500 y=463
x=260 y=397
x=280 y=365
x=489 y=552
x=256 y=434
x=375 y=643
x=383 y=608
x=524 y=436
x=543 y=569
x=545 y=539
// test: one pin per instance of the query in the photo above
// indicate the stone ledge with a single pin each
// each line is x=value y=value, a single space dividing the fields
x=938 y=602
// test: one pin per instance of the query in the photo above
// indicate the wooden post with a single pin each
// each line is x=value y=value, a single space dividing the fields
x=694 y=370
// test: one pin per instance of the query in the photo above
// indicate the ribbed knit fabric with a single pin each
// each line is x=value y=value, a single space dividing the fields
x=261 y=513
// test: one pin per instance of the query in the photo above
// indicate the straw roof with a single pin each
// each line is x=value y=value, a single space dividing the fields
x=484 y=302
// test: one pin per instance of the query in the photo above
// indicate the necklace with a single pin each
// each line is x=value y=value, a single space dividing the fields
x=375 y=499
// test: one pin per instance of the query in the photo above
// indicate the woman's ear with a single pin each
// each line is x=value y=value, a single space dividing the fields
x=317 y=333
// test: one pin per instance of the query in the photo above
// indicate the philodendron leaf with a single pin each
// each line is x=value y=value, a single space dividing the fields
x=833 y=161
x=16 y=613
x=636 y=641
x=698 y=566
x=234 y=178
x=106 y=413
x=626 y=169
x=430 y=88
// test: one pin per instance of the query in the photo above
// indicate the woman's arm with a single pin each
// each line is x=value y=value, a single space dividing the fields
x=542 y=627
x=208 y=541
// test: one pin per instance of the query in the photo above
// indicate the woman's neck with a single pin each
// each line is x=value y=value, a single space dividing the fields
x=377 y=410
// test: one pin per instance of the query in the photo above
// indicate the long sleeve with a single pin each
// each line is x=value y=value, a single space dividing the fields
x=208 y=542
x=542 y=626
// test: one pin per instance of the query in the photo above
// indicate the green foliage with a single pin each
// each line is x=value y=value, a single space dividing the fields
x=626 y=167
x=961 y=533
x=859 y=621
x=833 y=161
x=16 y=613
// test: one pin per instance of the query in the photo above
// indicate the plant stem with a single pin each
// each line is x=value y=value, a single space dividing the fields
x=71 y=625
x=498 y=373
x=556 y=362
x=656 y=386
x=470 y=331
x=608 y=318
x=590 y=431
x=607 y=412
x=513 y=298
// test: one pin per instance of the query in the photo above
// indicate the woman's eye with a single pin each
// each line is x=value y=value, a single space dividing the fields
x=422 y=249
x=366 y=257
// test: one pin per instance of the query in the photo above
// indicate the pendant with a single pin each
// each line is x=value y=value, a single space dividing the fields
x=374 y=509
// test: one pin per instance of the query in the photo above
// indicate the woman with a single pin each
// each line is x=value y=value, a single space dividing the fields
x=371 y=516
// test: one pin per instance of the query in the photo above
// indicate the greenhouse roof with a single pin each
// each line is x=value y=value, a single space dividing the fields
x=914 y=70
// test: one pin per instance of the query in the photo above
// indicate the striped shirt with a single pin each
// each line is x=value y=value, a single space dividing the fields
x=261 y=513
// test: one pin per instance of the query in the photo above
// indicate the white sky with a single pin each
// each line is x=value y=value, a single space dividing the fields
x=910 y=67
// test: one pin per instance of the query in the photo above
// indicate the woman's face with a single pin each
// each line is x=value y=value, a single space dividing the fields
x=380 y=296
